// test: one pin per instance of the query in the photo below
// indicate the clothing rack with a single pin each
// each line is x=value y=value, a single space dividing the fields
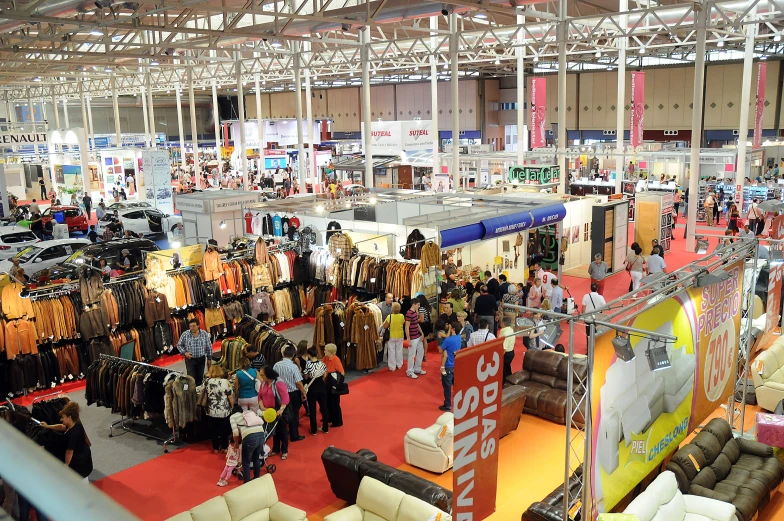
x=51 y=291
x=47 y=396
x=120 y=280
x=268 y=327
x=122 y=421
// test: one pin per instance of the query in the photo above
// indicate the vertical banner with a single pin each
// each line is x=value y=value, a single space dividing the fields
x=637 y=109
x=538 y=111
x=759 y=105
x=642 y=412
x=476 y=402
x=157 y=179
x=773 y=308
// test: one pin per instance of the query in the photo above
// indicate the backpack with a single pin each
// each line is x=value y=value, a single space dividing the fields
x=252 y=419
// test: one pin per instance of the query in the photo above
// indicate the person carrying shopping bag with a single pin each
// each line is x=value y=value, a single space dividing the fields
x=635 y=264
x=394 y=323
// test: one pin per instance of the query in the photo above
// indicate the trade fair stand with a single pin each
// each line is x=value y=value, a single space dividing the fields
x=656 y=341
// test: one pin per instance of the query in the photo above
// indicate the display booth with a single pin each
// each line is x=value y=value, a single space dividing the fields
x=69 y=167
x=609 y=233
x=215 y=214
x=121 y=168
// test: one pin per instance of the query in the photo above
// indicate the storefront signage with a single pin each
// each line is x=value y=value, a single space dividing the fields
x=417 y=135
x=773 y=308
x=538 y=111
x=637 y=109
x=545 y=215
x=24 y=138
x=393 y=137
x=507 y=224
x=476 y=402
x=233 y=204
x=179 y=257
x=184 y=204
x=640 y=415
x=759 y=105
x=535 y=175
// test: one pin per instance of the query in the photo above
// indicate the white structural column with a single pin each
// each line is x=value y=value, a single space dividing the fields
x=66 y=123
x=745 y=99
x=368 y=145
x=241 y=110
x=312 y=173
x=453 y=83
x=116 y=108
x=180 y=126
x=56 y=110
x=562 y=95
x=194 y=128
x=146 y=117
x=521 y=134
x=260 y=120
x=10 y=110
x=151 y=108
x=84 y=156
x=31 y=113
x=216 y=119
x=434 y=96
x=91 y=130
x=696 y=127
x=620 y=112
x=302 y=161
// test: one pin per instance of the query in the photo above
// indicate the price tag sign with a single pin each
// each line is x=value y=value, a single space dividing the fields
x=342 y=324
x=338 y=250
x=228 y=291
x=366 y=328
x=185 y=387
x=372 y=280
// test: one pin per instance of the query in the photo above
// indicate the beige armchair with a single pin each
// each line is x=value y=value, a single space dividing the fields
x=379 y=502
x=431 y=448
x=767 y=373
x=253 y=501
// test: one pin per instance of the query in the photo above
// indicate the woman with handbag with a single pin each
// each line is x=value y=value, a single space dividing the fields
x=274 y=394
x=635 y=265
x=246 y=386
x=336 y=384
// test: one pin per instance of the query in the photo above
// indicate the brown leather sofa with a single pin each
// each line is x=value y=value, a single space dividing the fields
x=543 y=379
x=345 y=470
x=551 y=507
x=734 y=470
x=512 y=404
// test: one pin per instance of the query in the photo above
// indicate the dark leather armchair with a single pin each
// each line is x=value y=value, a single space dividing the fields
x=551 y=507
x=512 y=403
x=346 y=469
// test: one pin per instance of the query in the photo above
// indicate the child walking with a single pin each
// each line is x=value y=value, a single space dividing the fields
x=232 y=460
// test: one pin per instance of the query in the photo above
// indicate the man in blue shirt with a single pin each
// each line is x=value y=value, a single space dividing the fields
x=451 y=345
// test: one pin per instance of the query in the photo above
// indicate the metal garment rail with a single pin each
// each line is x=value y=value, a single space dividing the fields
x=122 y=421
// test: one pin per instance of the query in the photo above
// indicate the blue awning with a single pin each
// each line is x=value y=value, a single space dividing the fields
x=550 y=214
x=506 y=224
x=462 y=235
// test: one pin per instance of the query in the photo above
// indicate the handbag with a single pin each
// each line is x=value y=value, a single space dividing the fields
x=336 y=383
x=201 y=401
x=256 y=381
x=287 y=412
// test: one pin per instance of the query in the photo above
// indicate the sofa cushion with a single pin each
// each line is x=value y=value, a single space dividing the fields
x=683 y=458
x=660 y=494
x=745 y=507
x=376 y=470
x=183 y=516
x=542 y=362
x=375 y=497
x=253 y=496
x=423 y=489
x=705 y=478
x=546 y=379
x=708 y=444
x=261 y=515
x=721 y=467
x=720 y=429
x=732 y=451
x=518 y=378
x=414 y=509
x=214 y=509
x=553 y=403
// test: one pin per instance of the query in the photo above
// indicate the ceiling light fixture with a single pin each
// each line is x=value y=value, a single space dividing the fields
x=154 y=63
x=222 y=225
x=96 y=32
x=598 y=54
x=720 y=43
x=623 y=348
x=37 y=78
x=481 y=16
x=107 y=69
x=536 y=59
x=643 y=50
x=777 y=38
x=497 y=61
x=276 y=43
x=657 y=356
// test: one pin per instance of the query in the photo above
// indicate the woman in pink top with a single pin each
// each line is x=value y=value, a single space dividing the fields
x=535 y=294
x=273 y=394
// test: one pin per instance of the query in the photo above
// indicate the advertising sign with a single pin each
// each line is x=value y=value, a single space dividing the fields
x=547 y=215
x=23 y=114
x=179 y=257
x=23 y=138
x=416 y=135
x=385 y=137
x=642 y=413
x=535 y=175
x=759 y=104
x=773 y=308
x=637 y=108
x=538 y=111
x=157 y=179
x=507 y=224
x=476 y=401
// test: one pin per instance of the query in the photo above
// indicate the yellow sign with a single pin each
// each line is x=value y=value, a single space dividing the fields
x=179 y=257
x=227 y=151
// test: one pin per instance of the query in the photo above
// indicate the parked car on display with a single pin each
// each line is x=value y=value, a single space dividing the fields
x=73 y=216
x=144 y=221
x=14 y=239
x=122 y=205
x=43 y=255
x=111 y=251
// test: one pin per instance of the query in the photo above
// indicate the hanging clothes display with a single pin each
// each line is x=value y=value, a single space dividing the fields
x=362 y=323
x=263 y=338
x=340 y=246
x=430 y=255
x=412 y=250
x=211 y=264
x=329 y=325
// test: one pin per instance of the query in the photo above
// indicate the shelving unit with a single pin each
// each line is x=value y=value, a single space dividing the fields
x=609 y=233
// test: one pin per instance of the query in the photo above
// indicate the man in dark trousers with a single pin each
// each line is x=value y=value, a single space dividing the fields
x=42 y=184
x=492 y=285
x=292 y=377
x=485 y=308
x=88 y=202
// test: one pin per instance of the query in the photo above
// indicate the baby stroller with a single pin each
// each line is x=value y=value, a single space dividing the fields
x=269 y=430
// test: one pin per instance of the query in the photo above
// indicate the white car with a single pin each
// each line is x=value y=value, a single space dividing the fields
x=14 y=239
x=43 y=255
x=144 y=221
x=123 y=205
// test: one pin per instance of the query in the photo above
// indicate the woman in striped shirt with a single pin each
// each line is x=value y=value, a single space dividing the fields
x=316 y=372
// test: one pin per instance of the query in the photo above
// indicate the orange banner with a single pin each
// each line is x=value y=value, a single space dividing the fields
x=773 y=308
x=476 y=400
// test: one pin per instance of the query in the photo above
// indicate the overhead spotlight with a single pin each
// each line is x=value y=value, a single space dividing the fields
x=107 y=69
x=623 y=348
x=176 y=244
x=96 y=32
x=702 y=245
x=372 y=200
x=657 y=356
x=154 y=63
x=319 y=209
x=37 y=79
x=763 y=57
x=102 y=4
x=598 y=54
x=446 y=10
x=276 y=43
x=643 y=50
x=345 y=27
x=497 y=61
x=222 y=225
x=481 y=16
x=777 y=38
x=536 y=59
x=720 y=43
x=710 y=278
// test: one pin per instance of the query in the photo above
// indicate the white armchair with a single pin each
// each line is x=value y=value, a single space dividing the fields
x=431 y=448
x=379 y=502
x=768 y=376
x=663 y=501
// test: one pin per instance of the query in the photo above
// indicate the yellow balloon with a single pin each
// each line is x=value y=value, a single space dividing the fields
x=270 y=415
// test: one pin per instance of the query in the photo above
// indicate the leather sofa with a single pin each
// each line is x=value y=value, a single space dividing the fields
x=551 y=507
x=768 y=375
x=543 y=379
x=633 y=397
x=379 y=502
x=431 y=448
x=345 y=470
x=253 y=501
x=512 y=405
x=664 y=500
x=718 y=466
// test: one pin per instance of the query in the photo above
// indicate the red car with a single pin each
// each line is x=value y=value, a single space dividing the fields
x=73 y=216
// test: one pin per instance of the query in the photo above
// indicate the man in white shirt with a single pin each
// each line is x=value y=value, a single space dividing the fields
x=556 y=296
x=746 y=232
x=481 y=335
x=755 y=215
x=709 y=203
x=507 y=333
x=656 y=263
x=592 y=302
x=34 y=208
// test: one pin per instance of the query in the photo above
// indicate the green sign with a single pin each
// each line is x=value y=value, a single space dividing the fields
x=535 y=175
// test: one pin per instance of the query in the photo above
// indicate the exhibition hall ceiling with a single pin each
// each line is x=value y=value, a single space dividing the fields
x=59 y=47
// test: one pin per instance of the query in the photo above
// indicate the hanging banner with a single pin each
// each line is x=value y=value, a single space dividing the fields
x=773 y=308
x=759 y=105
x=156 y=172
x=385 y=137
x=637 y=109
x=179 y=257
x=415 y=135
x=642 y=412
x=535 y=175
x=538 y=111
x=476 y=402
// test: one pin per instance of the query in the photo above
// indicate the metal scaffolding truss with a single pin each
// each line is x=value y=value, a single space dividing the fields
x=48 y=48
